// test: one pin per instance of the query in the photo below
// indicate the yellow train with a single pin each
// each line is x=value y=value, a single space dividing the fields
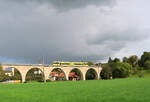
x=61 y=63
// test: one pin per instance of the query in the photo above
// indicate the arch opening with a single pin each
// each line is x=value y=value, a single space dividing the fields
x=57 y=74
x=91 y=74
x=75 y=74
x=35 y=74
x=13 y=74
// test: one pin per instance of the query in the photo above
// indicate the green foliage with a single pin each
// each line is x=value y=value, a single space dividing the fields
x=144 y=62
x=121 y=70
x=98 y=64
x=3 y=77
x=91 y=74
x=116 y=60
x=1 y=68
x=140 y=74
x=77 y=72
x=106 y=72
x=90 y=63
x=125 y=59
x=110 y=60
x=147 y=65
x=17 y=75
x=144 y=58
x=48 y=80
x=133 y=60
x=31 y=76
x=135 y=70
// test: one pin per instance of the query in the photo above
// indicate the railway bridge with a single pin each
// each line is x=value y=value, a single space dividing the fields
x=46 y=70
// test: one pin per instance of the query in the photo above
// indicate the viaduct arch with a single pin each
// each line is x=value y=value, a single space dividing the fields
x=59 y=70
x=23 y=69
x=92 y=71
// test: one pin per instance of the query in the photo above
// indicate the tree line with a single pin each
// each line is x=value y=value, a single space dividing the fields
x=115 y=68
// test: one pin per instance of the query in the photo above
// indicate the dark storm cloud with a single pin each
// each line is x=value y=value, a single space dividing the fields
x=69 y=4
x=72 y=4
x=32 y=29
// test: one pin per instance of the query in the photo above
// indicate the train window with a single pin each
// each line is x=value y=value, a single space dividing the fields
x=56 y=63
x=78 y=64
x=65 y=63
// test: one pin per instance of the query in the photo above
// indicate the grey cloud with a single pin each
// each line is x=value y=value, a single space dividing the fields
x=115 y=40
x=30 y=30
x=69 y=4
x=131 y=34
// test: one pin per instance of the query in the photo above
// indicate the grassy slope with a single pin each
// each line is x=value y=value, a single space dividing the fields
x=119 y=90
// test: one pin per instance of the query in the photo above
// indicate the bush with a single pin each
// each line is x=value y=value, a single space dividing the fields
x=140 y=74
x=135 y=70
x=148 y=71
x=3 y=77
x=106 y=72
x=121 y=70
x=48 y=80
x=147 y=65
x=90 y=63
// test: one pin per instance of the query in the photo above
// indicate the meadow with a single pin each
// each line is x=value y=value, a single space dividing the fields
x=118 y=90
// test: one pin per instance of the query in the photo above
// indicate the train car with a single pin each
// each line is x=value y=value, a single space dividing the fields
x=61 y=63
x=80 y=64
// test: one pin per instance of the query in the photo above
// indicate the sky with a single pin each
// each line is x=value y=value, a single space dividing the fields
x=72 y=30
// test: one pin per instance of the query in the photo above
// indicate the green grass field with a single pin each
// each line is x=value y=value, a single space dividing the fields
x=118 y=90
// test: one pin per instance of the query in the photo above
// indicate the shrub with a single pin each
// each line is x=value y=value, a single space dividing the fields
x=140 y=74
x=48 y=80
x=121 y=70
x=147 y=65
x=106 y=72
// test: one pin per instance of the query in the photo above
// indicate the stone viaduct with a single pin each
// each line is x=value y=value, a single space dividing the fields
x=46 y=70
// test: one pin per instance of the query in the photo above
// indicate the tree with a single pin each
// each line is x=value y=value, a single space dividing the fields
x=90 y=63
x=77 y=72
x=110 y=60
x=106 y=72
x=35 y=75
x=16 y=76
x=133 y=60
x=3 y=77
x=144 y=58
x=116 y=60
x=113 y=62
x=1 y=68
x=121 y=70
x=147 y=65
x=91 y=74
x=125 y=59
x=135 y=69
